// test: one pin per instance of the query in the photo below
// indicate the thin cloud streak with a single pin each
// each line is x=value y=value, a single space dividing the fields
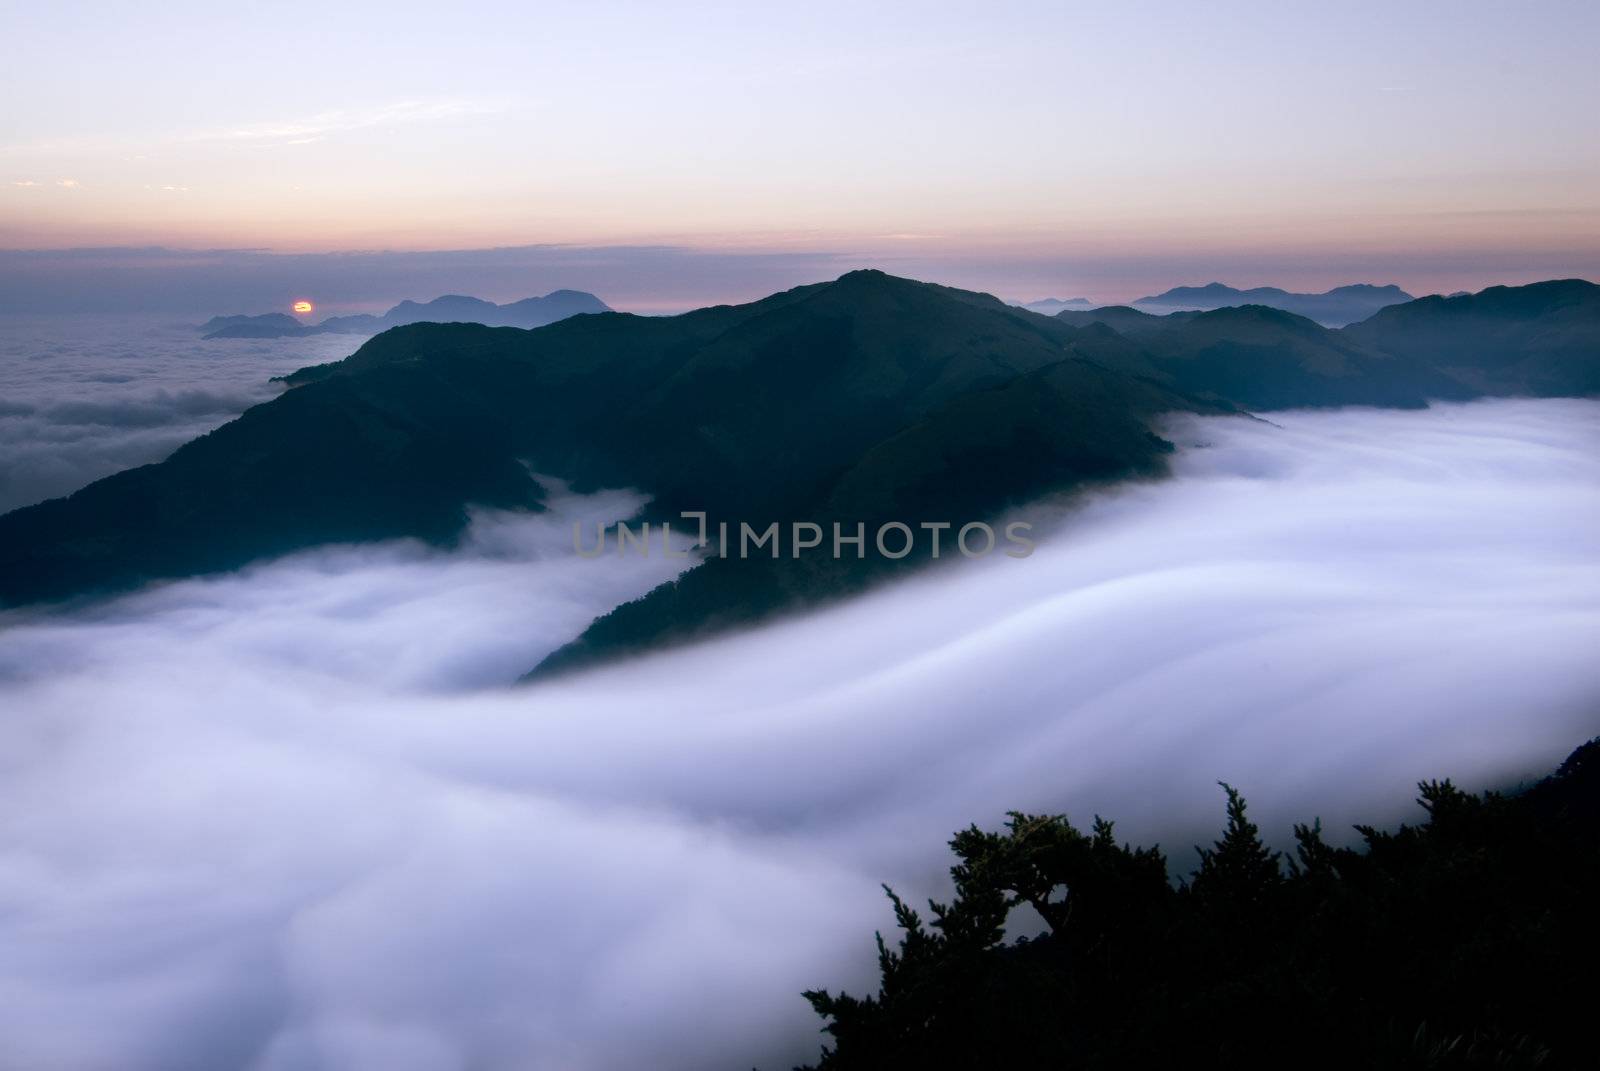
x=400 y=113
x=320 y=124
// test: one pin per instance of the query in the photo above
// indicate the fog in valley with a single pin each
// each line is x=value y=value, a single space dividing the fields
x=296 y=818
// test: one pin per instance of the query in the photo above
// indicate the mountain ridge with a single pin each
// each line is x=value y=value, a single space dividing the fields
x=1051 y=306
x=864 y=399
x=1540 y=338
x=1331 y=308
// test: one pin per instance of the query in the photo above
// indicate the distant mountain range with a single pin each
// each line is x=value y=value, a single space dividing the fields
x=862 y=400
x=1337 y=307
x=451 y=308
x=1051 y=306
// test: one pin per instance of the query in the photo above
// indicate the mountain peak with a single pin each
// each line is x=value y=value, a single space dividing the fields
x=1258 y=314
x=870 y=277
x=869 y=282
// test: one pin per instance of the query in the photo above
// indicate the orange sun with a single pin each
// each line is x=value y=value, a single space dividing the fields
x=302 y=308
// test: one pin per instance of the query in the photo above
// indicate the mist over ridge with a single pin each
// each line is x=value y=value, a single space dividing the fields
x=862 y=400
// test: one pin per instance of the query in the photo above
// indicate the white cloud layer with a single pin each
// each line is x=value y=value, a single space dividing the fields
x=84 y=397
x=283 y=820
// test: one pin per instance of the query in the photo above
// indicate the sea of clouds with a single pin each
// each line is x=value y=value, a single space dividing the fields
x=292 y=819
x=82 y=397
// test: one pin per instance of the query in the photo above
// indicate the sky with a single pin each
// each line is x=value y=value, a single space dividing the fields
x=336 y=842
x=1029 y=149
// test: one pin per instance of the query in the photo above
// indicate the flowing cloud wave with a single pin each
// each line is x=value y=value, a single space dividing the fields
x=284 y=820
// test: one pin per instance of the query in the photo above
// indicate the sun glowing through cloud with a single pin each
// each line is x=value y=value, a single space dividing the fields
x=302 y=308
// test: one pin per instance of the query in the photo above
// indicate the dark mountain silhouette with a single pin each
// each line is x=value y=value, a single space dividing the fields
x=1263 y=358
x=866 y=399
x=1540 y=339
x=1070 y=424
x=451 y=308
x=753 y=410
x=267 y=325
x=1335 y=308
x=1126 y=320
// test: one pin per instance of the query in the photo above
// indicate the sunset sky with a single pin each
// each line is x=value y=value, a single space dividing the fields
x=1103 y=150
